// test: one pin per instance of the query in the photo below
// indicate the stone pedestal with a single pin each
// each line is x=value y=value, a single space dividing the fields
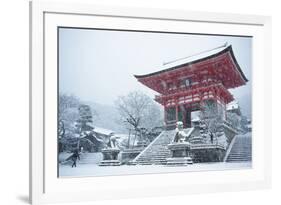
x=110 y=157
x=130 y=154
x=180 y=154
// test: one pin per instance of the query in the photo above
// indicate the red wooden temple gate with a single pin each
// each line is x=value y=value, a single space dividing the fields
x=185 y=85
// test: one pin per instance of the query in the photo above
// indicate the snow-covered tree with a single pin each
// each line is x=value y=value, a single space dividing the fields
x=84 y=129
x=85 y=120
x=138 y=112
x=211 y=118
x=61 y=129
x=75 y=124
x=244 y=123
x=68 y=114
x=233 y=119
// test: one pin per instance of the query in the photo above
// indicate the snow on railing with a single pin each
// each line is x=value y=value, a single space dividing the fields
x=144 y=150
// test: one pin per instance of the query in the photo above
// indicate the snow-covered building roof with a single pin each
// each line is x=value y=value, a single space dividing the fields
x=102 y=131
x=234 y=105
x=122 y=136
x=196 y=119
x=195 y=58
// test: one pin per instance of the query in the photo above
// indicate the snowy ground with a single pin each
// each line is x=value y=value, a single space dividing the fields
x=87 y=170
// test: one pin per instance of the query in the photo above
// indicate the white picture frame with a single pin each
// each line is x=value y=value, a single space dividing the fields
x=45 y=187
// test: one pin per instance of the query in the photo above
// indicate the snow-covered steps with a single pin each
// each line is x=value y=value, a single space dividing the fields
x=241 y=150
x=157 y=151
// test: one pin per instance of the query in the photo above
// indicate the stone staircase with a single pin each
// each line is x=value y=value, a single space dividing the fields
x=157 y=151
x=241 y=149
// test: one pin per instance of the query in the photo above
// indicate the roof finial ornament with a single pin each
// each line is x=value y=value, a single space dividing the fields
x=224 y=45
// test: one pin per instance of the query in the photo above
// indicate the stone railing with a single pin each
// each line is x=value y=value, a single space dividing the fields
x=207 y=146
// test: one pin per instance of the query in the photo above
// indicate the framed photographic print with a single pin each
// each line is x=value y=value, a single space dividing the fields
x=133 y=102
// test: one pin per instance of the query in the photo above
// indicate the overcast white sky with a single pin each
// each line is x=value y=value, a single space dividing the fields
x=98 y=65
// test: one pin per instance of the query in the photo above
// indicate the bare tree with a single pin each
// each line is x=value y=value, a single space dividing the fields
x=137 y=110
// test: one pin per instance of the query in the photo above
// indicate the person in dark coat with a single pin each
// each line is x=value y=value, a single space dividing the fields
x=74 y=157
x=212 y=138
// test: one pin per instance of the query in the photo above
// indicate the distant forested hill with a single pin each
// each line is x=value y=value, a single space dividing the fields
x=106 y=116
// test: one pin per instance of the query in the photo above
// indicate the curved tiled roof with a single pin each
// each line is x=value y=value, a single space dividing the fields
x=196 y=59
